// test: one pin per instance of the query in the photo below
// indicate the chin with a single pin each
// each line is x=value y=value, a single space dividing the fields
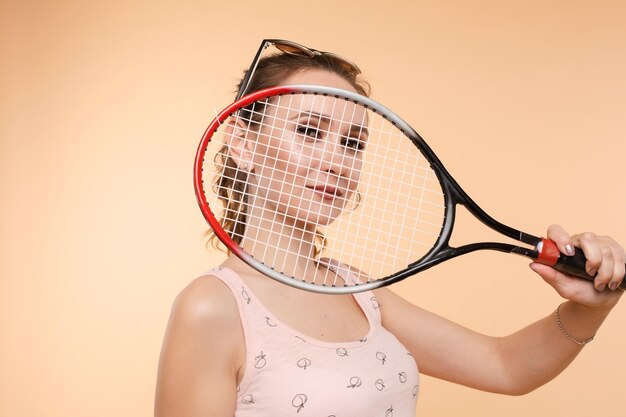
x=319 y=218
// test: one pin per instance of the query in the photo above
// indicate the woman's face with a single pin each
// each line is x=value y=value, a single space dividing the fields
x=307 y=159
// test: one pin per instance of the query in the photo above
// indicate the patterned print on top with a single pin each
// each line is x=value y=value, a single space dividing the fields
x=290 y=374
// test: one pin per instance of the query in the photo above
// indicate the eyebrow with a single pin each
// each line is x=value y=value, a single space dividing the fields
x=359 y=128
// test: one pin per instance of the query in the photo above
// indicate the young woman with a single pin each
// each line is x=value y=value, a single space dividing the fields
x=241 y=344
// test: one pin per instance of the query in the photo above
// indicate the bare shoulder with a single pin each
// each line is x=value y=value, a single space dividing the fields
x=388 y=298
x=205 y=315
x=203 y=352
x=206 y=301
x=400 y=315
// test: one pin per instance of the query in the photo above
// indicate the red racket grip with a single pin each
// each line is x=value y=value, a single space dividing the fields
x=574 y=265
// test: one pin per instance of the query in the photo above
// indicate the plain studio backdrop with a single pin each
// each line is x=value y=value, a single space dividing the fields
x=102 y=105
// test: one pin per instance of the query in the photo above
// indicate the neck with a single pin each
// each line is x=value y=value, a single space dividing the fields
x=285 y=244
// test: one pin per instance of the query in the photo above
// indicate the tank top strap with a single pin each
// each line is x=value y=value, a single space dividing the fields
x=366 y=299
x=252 y=316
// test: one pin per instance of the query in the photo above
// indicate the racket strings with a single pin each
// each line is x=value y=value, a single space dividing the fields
x=388 y=132
x=299 y=210
x=399 y=183
x=428 y=207
x=398 y=242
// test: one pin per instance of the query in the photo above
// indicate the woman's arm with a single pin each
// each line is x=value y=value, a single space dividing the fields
x=527 y=359
x=538 y=353
x=202 y=353
x=549 y=350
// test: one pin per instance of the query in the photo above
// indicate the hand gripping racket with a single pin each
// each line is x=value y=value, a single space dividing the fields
x=329 y=191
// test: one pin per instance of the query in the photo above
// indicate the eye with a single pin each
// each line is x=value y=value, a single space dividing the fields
x=356 y=144
x=310 y=131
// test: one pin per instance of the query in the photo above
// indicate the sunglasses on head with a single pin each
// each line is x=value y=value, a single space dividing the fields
x=292 y=48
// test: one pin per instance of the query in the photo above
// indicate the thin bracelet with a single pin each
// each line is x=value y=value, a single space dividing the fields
x=566 y=333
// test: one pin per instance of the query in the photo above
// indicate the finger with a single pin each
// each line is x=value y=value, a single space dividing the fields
x=619 y=269
x=589 y=243
x=549 y=275
x=567 y=287
x=562 y=239
x=605 y=269
x=575 y=289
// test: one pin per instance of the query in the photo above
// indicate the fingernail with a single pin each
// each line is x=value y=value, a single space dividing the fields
x=592 y=272
x=569 y=249
x=613 y=285
x=600 y=287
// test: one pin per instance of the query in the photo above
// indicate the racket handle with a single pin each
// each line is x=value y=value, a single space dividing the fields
x=571 y=265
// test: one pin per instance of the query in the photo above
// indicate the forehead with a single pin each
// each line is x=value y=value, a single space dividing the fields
x=318 y=77
x=325 y=106
x=336 y=111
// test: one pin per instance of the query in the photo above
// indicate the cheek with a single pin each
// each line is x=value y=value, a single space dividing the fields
x=289 y=158
x=354 y=175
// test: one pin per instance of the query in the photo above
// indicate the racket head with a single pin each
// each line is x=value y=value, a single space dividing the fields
x=367 y=153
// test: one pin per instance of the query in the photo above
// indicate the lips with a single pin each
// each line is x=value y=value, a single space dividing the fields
x=327 y=192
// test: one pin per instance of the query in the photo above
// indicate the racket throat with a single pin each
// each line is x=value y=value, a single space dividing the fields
x=447 y=252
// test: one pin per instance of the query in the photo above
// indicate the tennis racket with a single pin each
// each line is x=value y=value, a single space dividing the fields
x=329 y=191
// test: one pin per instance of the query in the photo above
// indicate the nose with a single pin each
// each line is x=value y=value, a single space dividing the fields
x=334 y=158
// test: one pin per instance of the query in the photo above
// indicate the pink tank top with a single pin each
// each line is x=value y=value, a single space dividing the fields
x=290 y=374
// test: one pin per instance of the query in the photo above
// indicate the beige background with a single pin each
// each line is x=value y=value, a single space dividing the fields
x=102 y=105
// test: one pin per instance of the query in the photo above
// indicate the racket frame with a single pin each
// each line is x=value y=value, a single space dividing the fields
x=454 y=195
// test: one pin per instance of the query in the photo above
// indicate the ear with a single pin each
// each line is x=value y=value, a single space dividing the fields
x=239 y=143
